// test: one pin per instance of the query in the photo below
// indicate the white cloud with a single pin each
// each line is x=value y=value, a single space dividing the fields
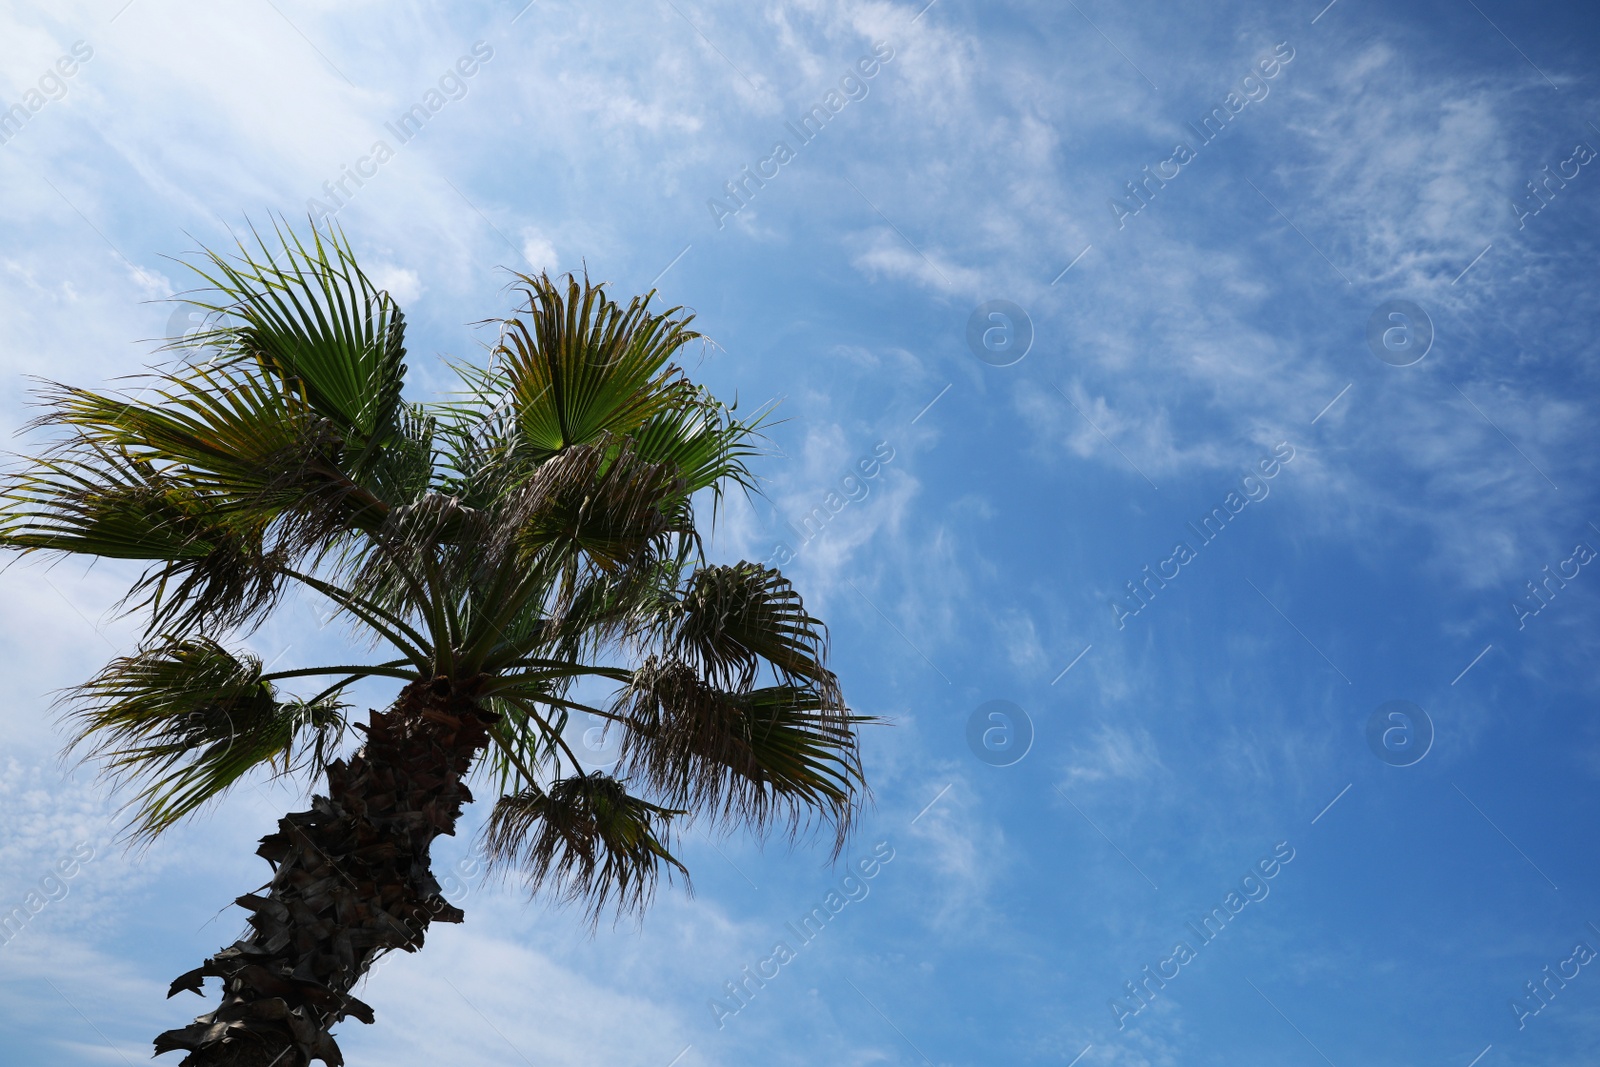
x=887 y=255
x=469 y=1003
x=959 y=839
x=1114 y=753
x=538 y=251
x=404 y=285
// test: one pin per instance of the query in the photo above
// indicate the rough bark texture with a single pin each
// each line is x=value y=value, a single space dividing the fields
x=351 y=881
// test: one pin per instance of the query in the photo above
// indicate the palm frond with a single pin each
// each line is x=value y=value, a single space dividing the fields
x=586 y=840
x=574 y=538
x=708 y=445
x=306 y=313
x=247 y=441
x=578 y=366
x=403 y=470
x=609 y=506
x=778 y=755
x=186 y=719
x=525 y=744
x=730 y=619
x=476 y=437
x=211 y=568
x=227 y=430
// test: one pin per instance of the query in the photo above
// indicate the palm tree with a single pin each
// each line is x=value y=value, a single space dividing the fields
x=503 y=553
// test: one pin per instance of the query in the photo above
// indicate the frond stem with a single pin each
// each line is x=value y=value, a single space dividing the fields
x=387 y=670
x=368 y=612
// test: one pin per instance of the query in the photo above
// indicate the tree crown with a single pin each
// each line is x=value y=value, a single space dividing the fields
x=534 y=530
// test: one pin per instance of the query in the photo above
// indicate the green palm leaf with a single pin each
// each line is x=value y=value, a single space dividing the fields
x=778 y=755
x=728 y=620
x=702 y=439
x=587 y=840
x=309 y=315
x=579 y=366
x=213 y=568
x=185 y=719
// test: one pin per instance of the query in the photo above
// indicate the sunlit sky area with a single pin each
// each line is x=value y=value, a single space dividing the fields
x=1186 y=429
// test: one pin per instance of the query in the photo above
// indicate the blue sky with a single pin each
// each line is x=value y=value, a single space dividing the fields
x=1223 y=324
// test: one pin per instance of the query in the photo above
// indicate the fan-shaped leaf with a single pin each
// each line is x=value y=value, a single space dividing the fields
x=587 y=840
x=186 y=719
x=779 y=754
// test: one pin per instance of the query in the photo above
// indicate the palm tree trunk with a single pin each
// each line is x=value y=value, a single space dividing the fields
x=351 y=881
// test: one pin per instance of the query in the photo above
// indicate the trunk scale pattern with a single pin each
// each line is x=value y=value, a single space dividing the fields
x=351 y=881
